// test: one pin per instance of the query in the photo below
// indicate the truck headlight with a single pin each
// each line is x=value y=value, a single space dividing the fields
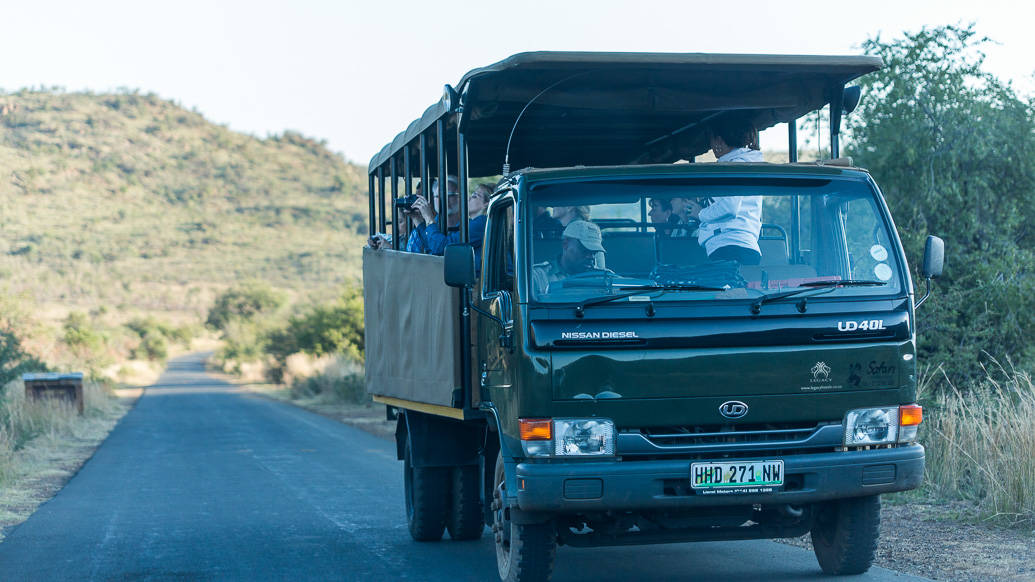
x=567 y=437
x=871 y=426
x=584 y=436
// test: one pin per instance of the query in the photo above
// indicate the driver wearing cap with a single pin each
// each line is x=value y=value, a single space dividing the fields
x=581 y=244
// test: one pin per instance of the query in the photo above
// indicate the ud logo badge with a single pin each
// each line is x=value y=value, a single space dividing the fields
x=733 y=409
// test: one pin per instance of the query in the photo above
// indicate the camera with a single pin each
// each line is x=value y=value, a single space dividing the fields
x=404 y=204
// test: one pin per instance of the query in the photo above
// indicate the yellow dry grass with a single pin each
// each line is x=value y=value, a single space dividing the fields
x=981 y=443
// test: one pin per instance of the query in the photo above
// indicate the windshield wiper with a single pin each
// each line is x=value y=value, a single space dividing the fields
x=845 y=283
x=825 y=286
x=637 y=290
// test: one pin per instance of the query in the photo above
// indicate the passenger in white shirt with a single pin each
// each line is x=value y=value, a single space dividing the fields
x=730 y=225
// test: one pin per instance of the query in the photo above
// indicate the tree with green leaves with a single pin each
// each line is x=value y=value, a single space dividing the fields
x=953 y=148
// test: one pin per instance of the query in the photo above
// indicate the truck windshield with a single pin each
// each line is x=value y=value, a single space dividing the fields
x=708 y=239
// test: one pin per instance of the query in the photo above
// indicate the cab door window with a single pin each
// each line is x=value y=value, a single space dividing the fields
x=499 y=274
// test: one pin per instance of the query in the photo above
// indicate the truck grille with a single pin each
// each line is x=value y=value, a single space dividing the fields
x=729 y=439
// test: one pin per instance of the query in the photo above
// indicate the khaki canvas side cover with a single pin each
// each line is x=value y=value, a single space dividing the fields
x=410 y=316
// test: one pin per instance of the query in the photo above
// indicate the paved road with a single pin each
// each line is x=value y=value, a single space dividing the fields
x=203 y=482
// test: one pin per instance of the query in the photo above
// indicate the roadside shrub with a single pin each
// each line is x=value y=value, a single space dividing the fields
x=244 y=302
x=80 y=334
x=155 y=336
x=14 y=361
x=954 y=150
x=244 y=341
x=341 y=380
x=335 y=328
x=151 y=347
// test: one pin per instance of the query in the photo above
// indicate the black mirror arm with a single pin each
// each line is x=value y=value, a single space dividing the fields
x=489 y=315
x=927 y=294
x=506 y=338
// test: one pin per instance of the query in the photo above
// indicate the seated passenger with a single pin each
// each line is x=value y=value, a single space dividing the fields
x=566 y=214
x=581 y=244
x=436 y=240
x=666 y=221
x=433 y=240
x=730 y=225
x=544 y=225
x=477 y=202
x=409 y=220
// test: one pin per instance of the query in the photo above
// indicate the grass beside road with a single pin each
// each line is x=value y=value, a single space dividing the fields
x=981 y=445
x=43 y=444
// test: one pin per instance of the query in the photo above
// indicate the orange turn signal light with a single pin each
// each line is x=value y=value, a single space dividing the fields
x=910 y=415
x=536 y=429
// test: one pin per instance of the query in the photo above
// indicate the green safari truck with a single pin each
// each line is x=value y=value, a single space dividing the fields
x=590 y=371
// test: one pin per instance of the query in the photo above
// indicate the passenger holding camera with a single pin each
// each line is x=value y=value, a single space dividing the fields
x=730 y=225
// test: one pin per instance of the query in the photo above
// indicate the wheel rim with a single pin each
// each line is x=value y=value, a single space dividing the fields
x=501 y=525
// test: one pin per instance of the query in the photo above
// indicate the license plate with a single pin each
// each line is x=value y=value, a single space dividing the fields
x=741 y=477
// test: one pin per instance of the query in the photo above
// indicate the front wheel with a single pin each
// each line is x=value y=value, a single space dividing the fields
x=523 y=552
x=845 y=534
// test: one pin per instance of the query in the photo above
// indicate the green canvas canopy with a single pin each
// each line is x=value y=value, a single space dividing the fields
x=593 y=109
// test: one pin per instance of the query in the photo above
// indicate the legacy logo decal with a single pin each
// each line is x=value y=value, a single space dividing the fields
x=821 y=371
x=598 y=335
x=820 y=378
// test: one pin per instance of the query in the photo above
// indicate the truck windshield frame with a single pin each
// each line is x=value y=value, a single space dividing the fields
x=813 y=229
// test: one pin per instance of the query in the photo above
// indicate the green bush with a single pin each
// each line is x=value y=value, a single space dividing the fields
x=350 y=388
x=335 y=328
x=954 y=150
x=151 y=347
x=155 y=337
x=246 y=302
x=81 y=335
x=14 y=361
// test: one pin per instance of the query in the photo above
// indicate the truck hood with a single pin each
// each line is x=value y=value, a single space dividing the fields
x=681 y=372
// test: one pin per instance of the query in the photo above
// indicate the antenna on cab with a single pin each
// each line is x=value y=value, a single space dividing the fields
x=506 y=155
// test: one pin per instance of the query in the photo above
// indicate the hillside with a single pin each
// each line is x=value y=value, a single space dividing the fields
x=129 y=201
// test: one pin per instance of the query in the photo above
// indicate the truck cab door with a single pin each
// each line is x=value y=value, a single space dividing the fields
x=496 y=297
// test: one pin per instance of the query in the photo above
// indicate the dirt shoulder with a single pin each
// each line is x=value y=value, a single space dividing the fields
x=945 y=541
x=941 y=541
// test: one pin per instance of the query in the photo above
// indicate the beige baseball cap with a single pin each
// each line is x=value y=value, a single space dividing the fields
x=586 y=233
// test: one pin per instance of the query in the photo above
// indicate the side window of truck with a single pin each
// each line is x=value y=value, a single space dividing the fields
x=501 y=249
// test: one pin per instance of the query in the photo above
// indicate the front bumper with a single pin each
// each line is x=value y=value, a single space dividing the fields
x=665 y=484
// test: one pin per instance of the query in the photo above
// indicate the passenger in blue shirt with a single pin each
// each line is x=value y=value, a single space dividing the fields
x=429 y=238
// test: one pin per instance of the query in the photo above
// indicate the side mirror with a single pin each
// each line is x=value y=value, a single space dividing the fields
x=459 y=265
x=934 y=261
x=934 y=257
x=850 y=98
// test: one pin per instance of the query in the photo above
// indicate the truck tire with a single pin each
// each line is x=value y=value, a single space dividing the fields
x=466 y=521
x=523 y=552
x=427 y=499
x=845 y=534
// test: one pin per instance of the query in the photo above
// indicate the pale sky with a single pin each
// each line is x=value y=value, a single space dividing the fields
x=356 y=73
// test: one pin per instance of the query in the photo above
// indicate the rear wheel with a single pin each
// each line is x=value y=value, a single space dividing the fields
x=466 y=520
x=427 y=499
x=523 y=552
x=845 y=534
